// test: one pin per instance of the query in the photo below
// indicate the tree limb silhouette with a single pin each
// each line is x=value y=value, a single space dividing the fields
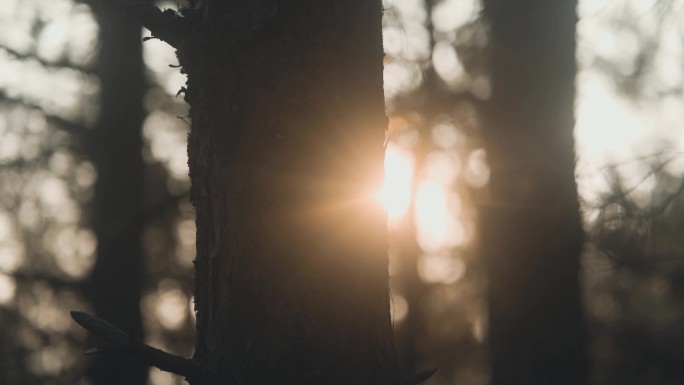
x=165 y=25
x=123 y=344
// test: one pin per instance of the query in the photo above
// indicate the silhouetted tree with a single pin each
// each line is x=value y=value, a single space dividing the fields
x=64 y=138
x=285 y=155
x=114 y=287
x=531 y=230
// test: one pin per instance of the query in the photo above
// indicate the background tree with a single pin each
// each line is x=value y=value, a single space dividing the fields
x=285 y=156
x=88 y=127
x=115 y=285
x=531 y=230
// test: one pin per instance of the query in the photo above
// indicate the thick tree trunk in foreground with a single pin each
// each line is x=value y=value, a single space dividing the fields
x=531 y=230
x=115 y=285
x=286 y=157
x=285 y=154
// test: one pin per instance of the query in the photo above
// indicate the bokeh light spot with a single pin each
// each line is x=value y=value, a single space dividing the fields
x=440 y=268
x=74 y=250
x=477 y=171
x=171 y=306
x=7 y=289
x=431 y=216
x=399 y=307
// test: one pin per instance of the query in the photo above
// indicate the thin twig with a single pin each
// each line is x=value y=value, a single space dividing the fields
x=56 y=65
x=53 y=120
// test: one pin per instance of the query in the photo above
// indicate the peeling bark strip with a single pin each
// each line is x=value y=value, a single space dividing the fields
x=285 y=155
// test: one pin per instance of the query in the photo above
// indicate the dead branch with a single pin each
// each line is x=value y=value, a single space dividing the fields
x=123 y=344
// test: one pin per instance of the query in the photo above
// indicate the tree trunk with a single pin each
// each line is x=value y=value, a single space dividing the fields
x=285 y=156
x=115 y=285
x=531 y=230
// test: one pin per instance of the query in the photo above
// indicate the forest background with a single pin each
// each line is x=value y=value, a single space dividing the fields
x=74 y=214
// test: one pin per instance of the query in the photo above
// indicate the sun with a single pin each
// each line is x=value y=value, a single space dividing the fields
x=395 y=193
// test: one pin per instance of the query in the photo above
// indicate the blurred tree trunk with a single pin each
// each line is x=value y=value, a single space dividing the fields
x=115 y=285
x=531 y=230
x=285 y=154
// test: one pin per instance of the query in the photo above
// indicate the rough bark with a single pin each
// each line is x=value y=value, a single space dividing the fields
x=285 y=153
x=115 y=285
x=531 y=230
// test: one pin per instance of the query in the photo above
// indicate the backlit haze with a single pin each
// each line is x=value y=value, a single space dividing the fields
x=429 y=195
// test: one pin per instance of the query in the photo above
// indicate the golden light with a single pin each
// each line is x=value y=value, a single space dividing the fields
x=398 y=307
x=432 y=218
x=435 y=207
x=440 y=268
x=395 y=193
x=170 y=305
x=7 y=288
x=171 y=309
x=436 y=213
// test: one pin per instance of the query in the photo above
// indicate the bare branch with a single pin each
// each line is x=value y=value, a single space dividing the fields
x=53 y=120
x=54 y=281
x=660 y=209
x=122 y=344
x=669 y=156
x=46 y=64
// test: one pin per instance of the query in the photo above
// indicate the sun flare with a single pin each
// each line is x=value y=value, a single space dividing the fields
x=395 y=193
x=435 y=208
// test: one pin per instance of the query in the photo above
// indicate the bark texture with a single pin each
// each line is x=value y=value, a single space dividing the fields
x=115 y=285
x=531 y=230
x=285 y=154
